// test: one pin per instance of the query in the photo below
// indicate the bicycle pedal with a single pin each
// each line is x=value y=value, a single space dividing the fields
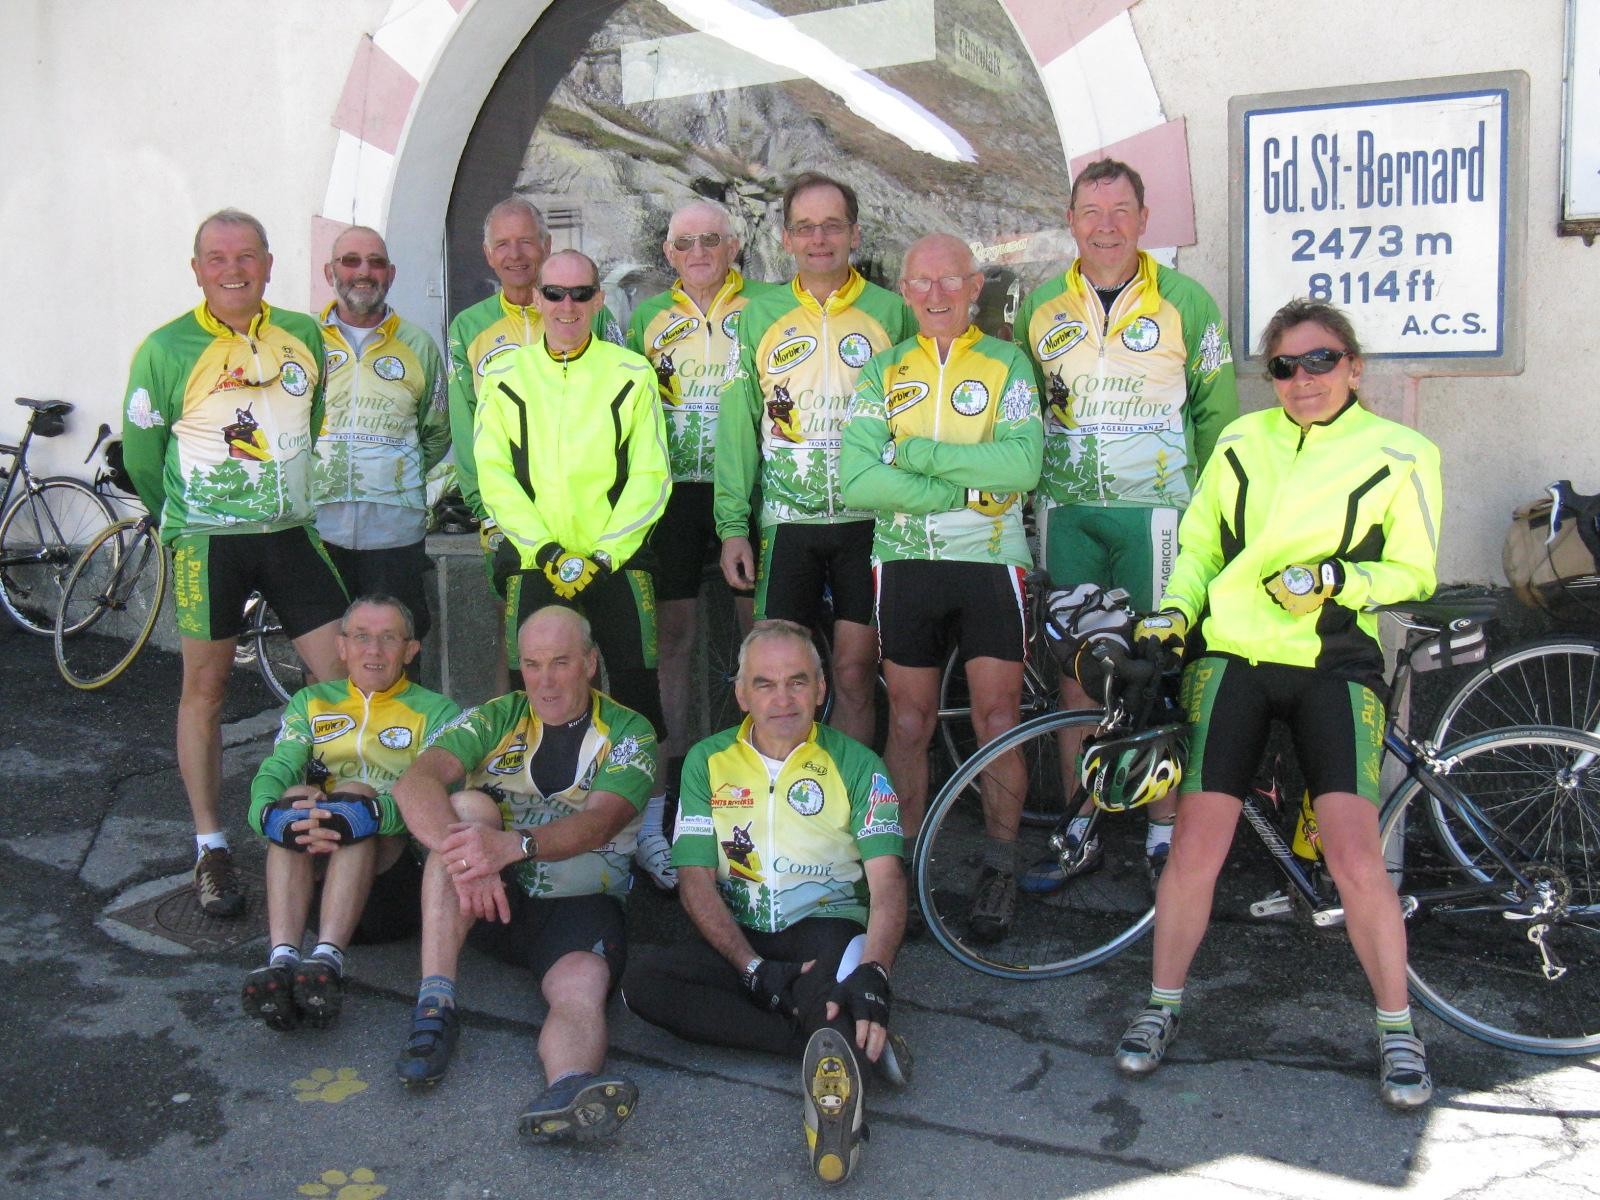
x=1328 y=918
x=1274 y=905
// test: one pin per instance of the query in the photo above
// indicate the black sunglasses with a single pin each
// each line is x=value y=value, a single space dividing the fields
x=1316 y=362
x=581 y=294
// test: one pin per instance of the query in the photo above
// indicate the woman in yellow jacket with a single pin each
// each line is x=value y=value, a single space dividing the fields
x=1306 y=516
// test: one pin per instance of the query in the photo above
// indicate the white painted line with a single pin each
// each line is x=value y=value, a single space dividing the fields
x=1101 y=89
x=414 y=31
x=358 y=182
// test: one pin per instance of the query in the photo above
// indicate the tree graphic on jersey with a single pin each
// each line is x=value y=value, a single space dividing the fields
x=332 y=470
x=901 y=538
x=684 y=438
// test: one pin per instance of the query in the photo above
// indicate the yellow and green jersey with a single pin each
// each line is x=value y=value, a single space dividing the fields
x=783 y=410
x=1133 y=397
x=386 y=419
x=496 y=742
x=218 y=426
x=693 y=353
x=343 y=735
x=1357 y=488
x=944 y=450
x=787 y=840
x=480 y=336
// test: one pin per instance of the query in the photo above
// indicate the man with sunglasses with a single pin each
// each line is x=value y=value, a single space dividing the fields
x=1136 y=379
x=223 y=409
x=801 y=350
x=688 y=332
x=516 y=241
x=572 y=462
x=944 y=442
x=387 y=423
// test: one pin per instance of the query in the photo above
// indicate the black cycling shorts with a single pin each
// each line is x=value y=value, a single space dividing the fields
x=400 y=571
x=799 y=561
x=685 y=541
x=543 y=931
x=925 y=607
x=1336 y=725
x=213 y=575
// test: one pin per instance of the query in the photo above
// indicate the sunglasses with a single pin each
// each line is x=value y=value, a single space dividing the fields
x=687 y=241
x=351 y=262
x=581 y=294
x=1316 y=362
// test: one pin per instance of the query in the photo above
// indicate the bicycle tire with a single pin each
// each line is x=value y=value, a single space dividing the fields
x=112 y=596
x=959 y=741
x=1548 y=681
x=1470 y=961
x=1094 y=917
x=276 y=658
x=52 y=521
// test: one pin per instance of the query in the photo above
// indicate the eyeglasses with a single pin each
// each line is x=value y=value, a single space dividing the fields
x=581 y=294
x=351 y=262
x=830 y=229
x=387 y=640
x=1316 y=362
x=922 y=285
x=687 y=241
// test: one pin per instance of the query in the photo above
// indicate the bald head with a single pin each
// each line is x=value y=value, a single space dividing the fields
x=564 y=267
x=705 y=216
x=943 y=250
x=941 y=282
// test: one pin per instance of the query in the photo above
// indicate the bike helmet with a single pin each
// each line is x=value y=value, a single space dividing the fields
x=1120 y=773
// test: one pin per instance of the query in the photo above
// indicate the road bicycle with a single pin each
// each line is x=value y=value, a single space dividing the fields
x=1493 y=843
x=45 y=528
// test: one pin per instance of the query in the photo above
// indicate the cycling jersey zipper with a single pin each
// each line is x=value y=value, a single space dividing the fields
x=361 y=733
x=827 y=396
x=938 y=414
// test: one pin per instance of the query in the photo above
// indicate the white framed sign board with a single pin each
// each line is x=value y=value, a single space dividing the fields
x=1402 y=203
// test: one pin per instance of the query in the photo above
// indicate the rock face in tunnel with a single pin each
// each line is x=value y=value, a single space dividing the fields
x=614 y=151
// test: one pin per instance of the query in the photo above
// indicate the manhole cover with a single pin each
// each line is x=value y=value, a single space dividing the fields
x=176 y=916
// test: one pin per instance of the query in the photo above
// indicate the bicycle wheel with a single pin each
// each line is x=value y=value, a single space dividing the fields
x=112 y=597
x=41 y=536
x=275 y=655
x=1536 y=793
x=1095 y=916
x=958 y=740
x=1549 y=681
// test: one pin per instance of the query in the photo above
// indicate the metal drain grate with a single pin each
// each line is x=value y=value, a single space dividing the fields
x=176 y=916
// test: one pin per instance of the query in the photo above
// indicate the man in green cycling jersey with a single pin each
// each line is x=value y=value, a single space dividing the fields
x=788 y=852
x=1135 y=376
x=386 y=424
x=321 y=800
x=224 y=405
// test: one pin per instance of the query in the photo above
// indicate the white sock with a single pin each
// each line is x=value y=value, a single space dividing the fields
x=655 y=811
x=1157 y=834
x=209 y=841
x=330 y=953
x=283 y=955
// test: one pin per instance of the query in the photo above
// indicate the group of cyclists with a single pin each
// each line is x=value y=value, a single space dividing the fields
x=823 y=440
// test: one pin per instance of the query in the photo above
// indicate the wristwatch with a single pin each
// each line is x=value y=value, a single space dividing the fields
x=530 y=847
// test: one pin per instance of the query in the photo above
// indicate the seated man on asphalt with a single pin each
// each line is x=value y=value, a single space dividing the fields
x=800 y=904
x=553 y=780
x=321 y=799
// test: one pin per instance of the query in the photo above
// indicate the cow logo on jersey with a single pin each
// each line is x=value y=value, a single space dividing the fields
x=854 y=349
x=969 y=398
x=904 y=396
x=730 y=326
x=805 y=797
x=389 y=367
x=667 y=379
x=743 y=860
x=732 y=795
x=501 y=348
x=509 y=761
x=629 y=752
x=675 y=332
x=245 y=438
x=141 y=412
x=1142 y=335
x=1063 y=336
x=791 y=353
x=396 y=737
x=326 y=728
x=333 y=360
x=1019 y=402
x=1058 y=404
x=883 y=808
x=780 y=411
x=294 y=379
